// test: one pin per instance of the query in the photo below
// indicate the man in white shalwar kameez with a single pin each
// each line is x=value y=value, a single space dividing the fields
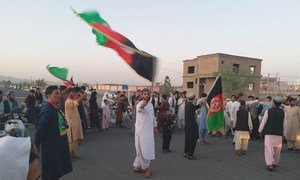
x=292 y=114
x=145 y=126
x=181 y=107
x=274 y=126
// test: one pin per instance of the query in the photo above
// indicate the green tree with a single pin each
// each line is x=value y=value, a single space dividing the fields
x=235 y=80
x=166 y=88
x=40 y=83
x=6 y=83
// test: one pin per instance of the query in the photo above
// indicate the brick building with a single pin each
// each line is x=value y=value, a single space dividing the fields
x=199 y=73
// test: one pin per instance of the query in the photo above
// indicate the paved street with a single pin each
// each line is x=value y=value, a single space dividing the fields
x=110 y=155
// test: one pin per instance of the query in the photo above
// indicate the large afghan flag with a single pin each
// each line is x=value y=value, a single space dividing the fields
x=215 y=116
x=141 y=62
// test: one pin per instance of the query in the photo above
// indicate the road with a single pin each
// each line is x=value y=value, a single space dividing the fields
x=109 y=156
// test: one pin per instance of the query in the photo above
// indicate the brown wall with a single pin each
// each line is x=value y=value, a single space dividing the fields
x=207 y=66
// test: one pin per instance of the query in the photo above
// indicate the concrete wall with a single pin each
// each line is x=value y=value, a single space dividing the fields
x=207 y=66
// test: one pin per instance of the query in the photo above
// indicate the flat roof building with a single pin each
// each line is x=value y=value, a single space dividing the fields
x=199 y=73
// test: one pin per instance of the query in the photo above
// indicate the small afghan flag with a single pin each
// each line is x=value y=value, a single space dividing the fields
x=215 y=116
x=60 y=73
x=62 y=123
x=141 y=62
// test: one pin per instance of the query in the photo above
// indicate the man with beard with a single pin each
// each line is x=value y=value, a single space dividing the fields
x=292 y=114
x=145 y=126
x=10 y=104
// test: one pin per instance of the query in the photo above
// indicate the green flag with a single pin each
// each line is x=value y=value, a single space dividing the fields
x=60 y=73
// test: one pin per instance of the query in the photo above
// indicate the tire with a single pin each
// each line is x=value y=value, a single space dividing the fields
x=127 y=122
x=112 y=123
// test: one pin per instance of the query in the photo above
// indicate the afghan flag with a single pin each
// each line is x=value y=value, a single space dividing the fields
x=60 y=73
x=141 y=62
x=215 y=116
x=69 y=83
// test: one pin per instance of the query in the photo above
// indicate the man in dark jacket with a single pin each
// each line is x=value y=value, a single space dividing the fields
x=10 y=104
x=191 y=127
x=39 y=96
x=51 y=134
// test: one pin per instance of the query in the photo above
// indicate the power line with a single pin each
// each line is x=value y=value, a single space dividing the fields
x=170 y=70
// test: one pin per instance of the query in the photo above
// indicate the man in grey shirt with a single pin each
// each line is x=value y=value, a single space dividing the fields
x=266 y=105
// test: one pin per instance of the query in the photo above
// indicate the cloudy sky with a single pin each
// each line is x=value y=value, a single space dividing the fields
x=34 y=33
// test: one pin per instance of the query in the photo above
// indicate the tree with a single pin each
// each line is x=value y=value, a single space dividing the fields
x=40 y=83
x=166 y=88
x=235 y=80
x=6 y=83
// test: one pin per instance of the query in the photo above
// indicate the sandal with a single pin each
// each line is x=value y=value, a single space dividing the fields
x=138 y=170
x=192 y=158
x=147 y=173
x=270 y=168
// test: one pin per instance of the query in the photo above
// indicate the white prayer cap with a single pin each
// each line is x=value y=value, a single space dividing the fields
x=190 y=96
x=278 y=99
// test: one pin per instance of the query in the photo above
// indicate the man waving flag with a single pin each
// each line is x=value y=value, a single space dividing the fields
x=141 y=62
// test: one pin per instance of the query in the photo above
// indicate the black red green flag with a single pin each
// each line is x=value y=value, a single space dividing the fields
x=141 y=62
x=69 y=83
x=215 y=116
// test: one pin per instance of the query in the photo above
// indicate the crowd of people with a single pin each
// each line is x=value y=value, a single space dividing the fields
x=66 y=114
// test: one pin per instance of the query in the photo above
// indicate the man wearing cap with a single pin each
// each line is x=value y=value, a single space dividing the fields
x=292 y=114
x=274 y=127
x=191 y=127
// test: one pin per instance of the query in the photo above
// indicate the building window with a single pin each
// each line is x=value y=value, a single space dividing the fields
x=252 y=69
x=191 y=69
x=190 y=85
x=251 y=87
x=202 y=81
x=235 y=67
x=222 y=62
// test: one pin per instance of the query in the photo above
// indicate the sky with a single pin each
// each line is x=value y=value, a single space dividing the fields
x=35 y=33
